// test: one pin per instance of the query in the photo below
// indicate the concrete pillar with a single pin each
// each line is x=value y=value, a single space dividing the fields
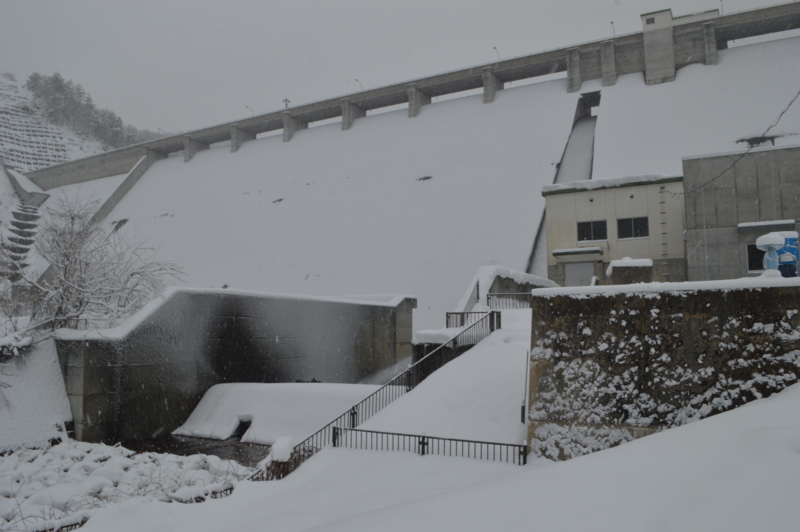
x=659 y=47
x=574 y=80
x=349 y=113
x=239 y=137
x=608 y=63
x=153 y=155
x=490 y=85
x=710 y=43
x=190 y=147
x=416 y=99
x=291 y=125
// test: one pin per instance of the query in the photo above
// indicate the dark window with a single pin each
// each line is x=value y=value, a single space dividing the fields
x=633 y=227
x=755 y=258
x=650 y=20
x=592 y=230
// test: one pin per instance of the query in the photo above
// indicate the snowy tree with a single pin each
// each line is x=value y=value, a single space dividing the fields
x=92 y=273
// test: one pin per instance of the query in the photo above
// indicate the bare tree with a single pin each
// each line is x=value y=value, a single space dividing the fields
x=92 y=273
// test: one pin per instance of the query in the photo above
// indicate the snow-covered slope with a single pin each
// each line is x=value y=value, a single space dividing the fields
x=27 y=140
x=647 y=129
x=344 y=212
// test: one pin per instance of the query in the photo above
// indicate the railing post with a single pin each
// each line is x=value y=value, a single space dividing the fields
x=353 y=417
x=423 y=445
x=523 y=453
x=336 y=436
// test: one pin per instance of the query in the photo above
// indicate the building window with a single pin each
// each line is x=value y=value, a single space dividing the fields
x=633 y=227
x=650 y=20
x=755 y=259
x=592 y=230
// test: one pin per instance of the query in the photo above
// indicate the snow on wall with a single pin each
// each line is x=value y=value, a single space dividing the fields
x=620 y=362
x=335 y=212
x=33 y=399
x=647 y=129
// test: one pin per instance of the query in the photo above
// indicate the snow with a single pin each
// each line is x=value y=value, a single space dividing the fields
x=354 y=219
x=436 y=336
x=477 y=397
x=597 y=184
x=576 y=251
x=767 y=224
x=294 y=410
x=282 y=449
x=645 y=130
x=726 y=284
x=736 y=471
x=125 y=328
x=627 y=262
x=577 y=162
x=64 y=484
x=485 y=278
x=775 y=240
x=33 y=398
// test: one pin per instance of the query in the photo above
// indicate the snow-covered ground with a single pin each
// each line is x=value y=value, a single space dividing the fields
x=736 y=471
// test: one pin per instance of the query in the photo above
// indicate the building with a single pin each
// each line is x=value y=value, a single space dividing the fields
x=591 y=223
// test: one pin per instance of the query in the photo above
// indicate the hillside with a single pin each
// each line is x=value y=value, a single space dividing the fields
x=28 y=140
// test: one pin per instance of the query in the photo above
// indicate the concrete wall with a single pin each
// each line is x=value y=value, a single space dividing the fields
x=660 y=200
x=762 y=186
x=146 y=382
x=609 y=364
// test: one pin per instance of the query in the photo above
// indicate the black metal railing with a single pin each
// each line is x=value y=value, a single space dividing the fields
x=462 y=319
x=383 y=396
x=508 y=301
x=422 y=445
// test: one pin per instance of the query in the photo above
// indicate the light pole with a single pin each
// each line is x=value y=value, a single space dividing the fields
x=613 y=30
x=498 y=53
x=286 y=103
x=251 y=111
x=362 y=85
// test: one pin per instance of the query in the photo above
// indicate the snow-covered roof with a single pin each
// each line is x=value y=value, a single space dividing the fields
x=617 y=182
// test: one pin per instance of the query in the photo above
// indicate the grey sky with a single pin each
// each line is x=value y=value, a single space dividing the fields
x=181 y=65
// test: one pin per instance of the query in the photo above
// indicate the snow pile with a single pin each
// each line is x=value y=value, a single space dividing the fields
x=63 y=484
x=33 y=399
x=477 y=396
x=294 y=410
x=597 y=184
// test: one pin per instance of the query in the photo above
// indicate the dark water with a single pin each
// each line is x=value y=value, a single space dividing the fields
x=248 y=454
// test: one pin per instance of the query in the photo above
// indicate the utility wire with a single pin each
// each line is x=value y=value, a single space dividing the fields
x=748 y=150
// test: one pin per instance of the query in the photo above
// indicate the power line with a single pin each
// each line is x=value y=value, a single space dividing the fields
x=750 y=148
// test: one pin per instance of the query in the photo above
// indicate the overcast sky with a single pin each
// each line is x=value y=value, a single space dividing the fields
x=182 y=65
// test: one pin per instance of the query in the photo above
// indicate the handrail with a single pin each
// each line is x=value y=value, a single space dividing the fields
x=508 y=300
x=421 y=444
x=386 y=394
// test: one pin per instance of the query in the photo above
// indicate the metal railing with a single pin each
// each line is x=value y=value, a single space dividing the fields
x=509 y=301
x=383 y=396
x=422 y=445
x=462 y=319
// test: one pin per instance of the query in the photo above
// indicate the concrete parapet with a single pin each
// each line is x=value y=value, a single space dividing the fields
x=131 y=179
x=192 y=146
x=238 y=137
x=349 y=113
x=291 y=125
x=574 y=80
x=710 y=43
x=608 y=63
x=490 y=85
x=416 y=99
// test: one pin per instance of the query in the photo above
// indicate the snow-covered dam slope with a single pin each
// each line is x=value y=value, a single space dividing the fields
x=346 y=212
